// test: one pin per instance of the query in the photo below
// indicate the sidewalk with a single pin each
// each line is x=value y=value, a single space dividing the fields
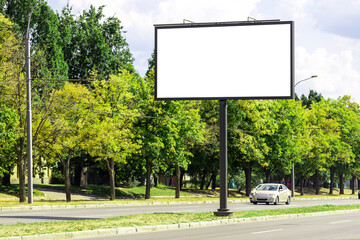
x=55 y=195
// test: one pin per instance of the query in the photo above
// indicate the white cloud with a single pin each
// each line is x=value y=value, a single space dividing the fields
x=339 y=17
x=336 y=73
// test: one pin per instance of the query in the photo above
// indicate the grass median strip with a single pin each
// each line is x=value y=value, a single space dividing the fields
x=22 y=229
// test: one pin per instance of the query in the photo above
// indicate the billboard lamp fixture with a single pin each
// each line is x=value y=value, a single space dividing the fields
x=187 y=21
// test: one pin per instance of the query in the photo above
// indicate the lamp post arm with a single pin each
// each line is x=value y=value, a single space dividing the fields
x=29 y=18
x=314 y=76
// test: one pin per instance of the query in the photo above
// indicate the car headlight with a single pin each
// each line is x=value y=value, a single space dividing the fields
x=272 y=195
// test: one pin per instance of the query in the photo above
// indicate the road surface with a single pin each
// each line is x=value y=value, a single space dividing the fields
x=330 y=227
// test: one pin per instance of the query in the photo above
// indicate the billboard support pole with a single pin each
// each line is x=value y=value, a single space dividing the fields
x=223 y=211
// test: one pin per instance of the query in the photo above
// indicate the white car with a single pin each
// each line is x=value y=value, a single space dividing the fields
x=270 y=193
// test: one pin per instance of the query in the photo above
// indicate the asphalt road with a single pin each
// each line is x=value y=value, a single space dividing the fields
x=28 y=216
x=331 y=227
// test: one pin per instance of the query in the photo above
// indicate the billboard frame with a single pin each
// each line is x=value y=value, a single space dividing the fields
x=229 y=24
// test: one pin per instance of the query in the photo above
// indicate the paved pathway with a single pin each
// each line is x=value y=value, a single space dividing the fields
x=52 y=194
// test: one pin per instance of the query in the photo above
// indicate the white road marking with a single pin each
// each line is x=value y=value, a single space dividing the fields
x=339 y=222
x=268 y=231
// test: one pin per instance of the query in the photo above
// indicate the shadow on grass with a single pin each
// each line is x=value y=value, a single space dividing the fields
x=13 y=190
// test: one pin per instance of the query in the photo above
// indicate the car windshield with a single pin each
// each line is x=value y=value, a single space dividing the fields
x=267 y=188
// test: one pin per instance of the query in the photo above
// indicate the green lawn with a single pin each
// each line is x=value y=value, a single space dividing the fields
x=22 y=229
x=120 y=192
x=13 y=191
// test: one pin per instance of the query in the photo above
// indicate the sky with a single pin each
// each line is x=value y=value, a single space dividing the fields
x=327 y=32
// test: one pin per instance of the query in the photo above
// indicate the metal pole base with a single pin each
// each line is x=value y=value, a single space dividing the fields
x=223 y=213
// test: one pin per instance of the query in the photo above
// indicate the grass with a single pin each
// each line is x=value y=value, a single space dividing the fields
x=120 y=192
x=22 y=229
x=13 y=191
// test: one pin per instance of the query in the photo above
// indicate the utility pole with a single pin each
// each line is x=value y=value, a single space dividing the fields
x=28 y=103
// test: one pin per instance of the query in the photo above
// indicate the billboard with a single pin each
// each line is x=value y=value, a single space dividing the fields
x=228 y=60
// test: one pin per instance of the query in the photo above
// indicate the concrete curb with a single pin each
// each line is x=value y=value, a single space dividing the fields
x=133 y=230
x=44 y=207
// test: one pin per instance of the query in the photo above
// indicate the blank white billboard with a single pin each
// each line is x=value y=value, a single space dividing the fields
x=224 y=61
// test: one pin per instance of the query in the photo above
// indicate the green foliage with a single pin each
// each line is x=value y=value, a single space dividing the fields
x=48 y=60
x=8 y=136
x=94 y=44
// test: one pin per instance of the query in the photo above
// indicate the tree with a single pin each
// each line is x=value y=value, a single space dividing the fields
x=206 y=153
x=313 y=97
x=8 y=136
x=284 y=143
x=68 y=127
x=111 y=138
x=249 y=123
x=321 y=130
x=184 y=129
x=92 y=44
x=48 y=59
x=346 y=114
x=12 y=89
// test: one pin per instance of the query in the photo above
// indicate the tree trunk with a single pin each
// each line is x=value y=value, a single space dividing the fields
x=148 y=179
x=317 y=182
x=84 y=177
x=142 y=180
x=155 y=180
x=77 y=177
x=203 y=178
x=177 y=185
x=302 y=181
x=182 y=174
x=111 y=168
x=353 y=184
x=332 y=174
x=248 y=180
x=22 y=173
x=341 y=183
x=6 y=177
x=66 y=166
x=267 y=175
x=213 y=180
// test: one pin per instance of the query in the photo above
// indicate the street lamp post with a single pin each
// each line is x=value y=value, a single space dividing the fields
x=28 y=102
x=293 y=168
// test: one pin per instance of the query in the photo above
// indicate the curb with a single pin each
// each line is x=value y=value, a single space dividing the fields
x=133 y=230
x=44 y=207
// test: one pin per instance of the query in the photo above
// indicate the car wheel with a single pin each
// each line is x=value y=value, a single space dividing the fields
x=255 y=203
x=288 y=200
x=267 y=203
x=276 y=201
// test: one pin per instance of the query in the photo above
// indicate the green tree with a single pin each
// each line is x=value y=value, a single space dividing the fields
x=284 y=143
x=68 y=126
x=8 y=136
x=321 y=131
x=206 y=153
x=346 y=114
x=112 y=138
x=248 y=123
x=12 y=90
x=94 y=44
x=313 y=97
x=47 y=57
x=184 y=129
